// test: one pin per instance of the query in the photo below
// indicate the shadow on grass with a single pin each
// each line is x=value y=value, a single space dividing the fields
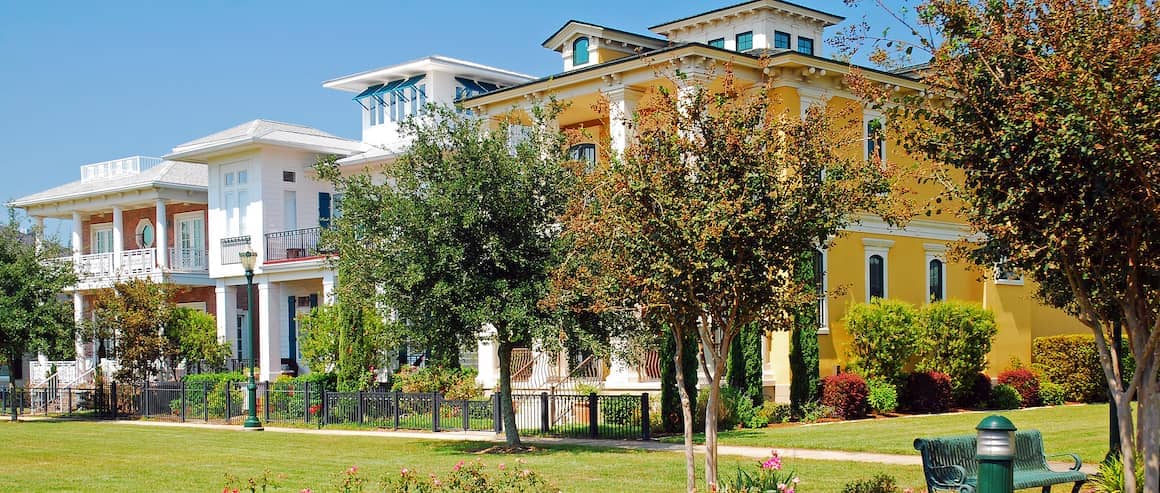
x=699 y=438
x=540 y=448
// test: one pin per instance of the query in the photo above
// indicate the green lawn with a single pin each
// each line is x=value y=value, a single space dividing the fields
x=100 y=456
x=1077 y=429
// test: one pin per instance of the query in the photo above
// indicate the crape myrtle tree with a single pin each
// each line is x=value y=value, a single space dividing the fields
x=32 y=316
x=1050 y=112
x=700 y=220
x=135 y=313
x=459 y=232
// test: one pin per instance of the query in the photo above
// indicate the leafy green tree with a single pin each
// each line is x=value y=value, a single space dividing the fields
x=956 y=337
x=194 y=333
x=32 y=315
x=458 y=233
x=1048 y=111
x=136 y=313
x=804 y=359
x=718 y=189
x=345 y=339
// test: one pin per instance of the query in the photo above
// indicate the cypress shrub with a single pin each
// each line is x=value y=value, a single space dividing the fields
x=804 y=360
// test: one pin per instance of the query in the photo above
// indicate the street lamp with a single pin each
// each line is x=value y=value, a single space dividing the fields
x=996 y=453
x=249 y=257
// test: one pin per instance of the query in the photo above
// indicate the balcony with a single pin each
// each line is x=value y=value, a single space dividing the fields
x=291 y=245
x=231 y=247
x=133 y=263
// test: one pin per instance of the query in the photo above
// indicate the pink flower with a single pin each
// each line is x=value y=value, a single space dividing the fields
x=352 y=470
x=781 y=486
x=404 y=471
x=796 y=480
x=773 y=463
x=306 y=490
x=437 y=483
x=789 y=490
x=458 y=466
x=501 y=466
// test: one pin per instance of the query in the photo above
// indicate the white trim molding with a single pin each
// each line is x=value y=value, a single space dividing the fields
x=880 y=247
x=916 y=228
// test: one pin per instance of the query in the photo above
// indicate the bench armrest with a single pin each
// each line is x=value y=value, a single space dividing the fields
x=956 y=478
x=1075 y=458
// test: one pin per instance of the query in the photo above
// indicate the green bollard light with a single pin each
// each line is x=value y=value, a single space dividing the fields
x=996 y=455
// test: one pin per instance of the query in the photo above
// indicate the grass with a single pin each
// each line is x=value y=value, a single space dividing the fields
x=1080 y=429
x=62 y=456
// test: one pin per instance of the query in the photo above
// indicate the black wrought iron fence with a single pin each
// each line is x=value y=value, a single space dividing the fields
x=559 y=415
x=231 y=247
x=298 y=243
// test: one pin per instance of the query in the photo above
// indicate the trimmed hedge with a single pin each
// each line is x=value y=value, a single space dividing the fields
x=1052 y=394
x=1025 y=382
x=928 y=392
x=1072 y=362
x=847 y=394
x=1005 y=397
x=883 y=396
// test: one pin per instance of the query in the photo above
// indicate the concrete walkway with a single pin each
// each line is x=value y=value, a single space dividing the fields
x=655 y=446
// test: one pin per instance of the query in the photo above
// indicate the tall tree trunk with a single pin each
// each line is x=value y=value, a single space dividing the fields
x=686 y=407
x=1148 y=423
x=507 y=410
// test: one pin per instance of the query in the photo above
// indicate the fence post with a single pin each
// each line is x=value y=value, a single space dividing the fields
x=593 y=415
x=229 y=404
x=466 y=410
x=143 y=403
x=545 y=420
x=113 y=398
x=434 y=411
x=395 y=407
x=325 y=407
x=496 y=415
x=645 y=432
x=183 y=401
x=18 y=404
x=266 y=402
x=70 y=404
x=205 y=400
x=306 y=403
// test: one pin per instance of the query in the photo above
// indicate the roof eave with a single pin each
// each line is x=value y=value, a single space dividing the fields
x=828 y=18
x=23 y=203
x=200 y=153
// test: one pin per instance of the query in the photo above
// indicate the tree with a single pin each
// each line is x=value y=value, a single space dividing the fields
x=694 y=223
x=347 y=339
x=32 y=316
x=1048 y=111
x=804 y=359
x=136 y=312
x=194 y=334
x=459 y=233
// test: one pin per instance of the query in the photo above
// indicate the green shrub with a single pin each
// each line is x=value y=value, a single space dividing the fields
x=979 y=393
x=1004 y=396
x=956 y=339
x=881 y=483
x=748 y=416
x=1073 y=362
x=726 y=413
x=1110 y=477
x=620 y=410
x=768 y=476
x=883 y=396
x=773 y=412
x=1052 y=394
x=813 y=411
x=885 y=335
x=216 y=384
x=455 y=384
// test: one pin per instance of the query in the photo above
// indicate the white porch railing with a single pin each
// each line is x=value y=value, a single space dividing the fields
x=40 y=373
x=95 y=265
x=188 y=259
x=136 y=262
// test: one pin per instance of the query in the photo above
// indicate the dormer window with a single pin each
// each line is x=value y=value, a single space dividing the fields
x=805 y=45
x=745 y=41
x=580 y=51
x=780 y=40
x=393 y=101
x=717 y=43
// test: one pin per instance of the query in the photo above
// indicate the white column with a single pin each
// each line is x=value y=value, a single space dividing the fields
x=77 y=244
x=269 y=350
x=329 y=279
x=223 y=307
x=79 y=317
x=39 y=221
x=622 y=102
x=162 y=234
x=118 y=238
x=620 y=373
x=488 y=375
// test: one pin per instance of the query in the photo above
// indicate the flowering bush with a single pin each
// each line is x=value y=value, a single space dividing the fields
x=1025 y=382
x=928 y=392
x=768 y=477
x=470 y=477
x=847 y=394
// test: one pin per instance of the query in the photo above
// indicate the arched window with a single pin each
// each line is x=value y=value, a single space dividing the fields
x=580 y=52
x=820 y=286
x=877 y=277
x=935 y=273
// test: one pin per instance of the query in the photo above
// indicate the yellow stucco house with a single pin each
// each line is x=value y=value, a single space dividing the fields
x=783 y=41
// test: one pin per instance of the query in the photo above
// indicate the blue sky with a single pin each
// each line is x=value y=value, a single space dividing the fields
x=84 y=82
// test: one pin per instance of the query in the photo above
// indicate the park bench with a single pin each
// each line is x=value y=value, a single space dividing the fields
x=949 y=463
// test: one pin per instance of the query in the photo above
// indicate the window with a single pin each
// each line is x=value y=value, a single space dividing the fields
x=189 y=252
x=580 y=52
x=102 y=238
x=936 y=280
x=717 y=43
x=820 y=286
x=289 y=210
x=288 y=176
x=745 y=41
x=875 y=140
x=877 y=276
x=877 y=269
x=1005 y=274
x=583 y=152
x=235 y=198
x=145 y=234
x=805 y=45
x=780 y=40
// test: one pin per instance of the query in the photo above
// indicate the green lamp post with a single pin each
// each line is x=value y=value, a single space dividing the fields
x=996 y=455
x=249 y=258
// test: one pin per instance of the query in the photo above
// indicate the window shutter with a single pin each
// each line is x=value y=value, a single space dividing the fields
x=293 y=327
x=313 y=300
x=324 y=209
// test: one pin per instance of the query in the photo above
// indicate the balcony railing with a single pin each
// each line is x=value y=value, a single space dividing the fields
x=231 y=247
x=96 y=265
x=135 y=262
x=188 y=259
x=289 y=245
